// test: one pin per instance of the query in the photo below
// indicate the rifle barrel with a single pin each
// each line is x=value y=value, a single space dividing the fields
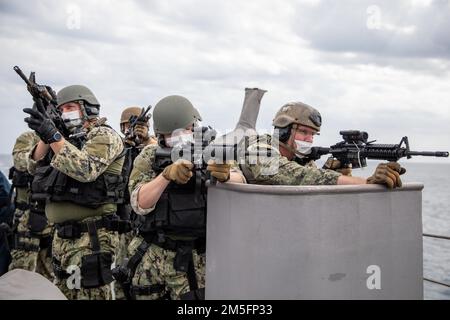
x=146 y=110
x=20 y=73
x=441 y=154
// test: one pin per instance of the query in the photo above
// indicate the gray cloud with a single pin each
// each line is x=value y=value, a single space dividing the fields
x=138 y=52
x=378 y=30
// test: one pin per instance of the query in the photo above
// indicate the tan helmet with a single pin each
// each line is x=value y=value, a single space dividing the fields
x=299 y=113
x=128 y=113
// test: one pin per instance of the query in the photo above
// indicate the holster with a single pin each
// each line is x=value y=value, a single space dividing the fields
x=95 y=267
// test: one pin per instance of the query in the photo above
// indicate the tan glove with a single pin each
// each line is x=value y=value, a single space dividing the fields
x=387 y=174
x=219 y=171
x=335 y=165
x=141 y=131
x=179 y=171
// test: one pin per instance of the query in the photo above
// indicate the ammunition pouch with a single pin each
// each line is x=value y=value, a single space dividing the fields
x=37 y=222
x=96 y=269
x=124 y=211
x=19 y=244
x=20 y=179
x=180 y=214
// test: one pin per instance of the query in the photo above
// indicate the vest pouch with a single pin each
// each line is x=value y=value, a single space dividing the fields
x=96 y=269
x=20 y=179
x=36 y=222
x=69 y=230
x=158 y=217
x=186 y=212
x=43 y=180
x=115 y=187
x=124 y=212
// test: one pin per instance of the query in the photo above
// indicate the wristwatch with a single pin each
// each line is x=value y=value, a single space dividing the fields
x=56 y=137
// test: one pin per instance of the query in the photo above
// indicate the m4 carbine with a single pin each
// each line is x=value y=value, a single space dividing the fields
x=45 y=96
x=135 y=120
x=354 y=150
x=193 y=152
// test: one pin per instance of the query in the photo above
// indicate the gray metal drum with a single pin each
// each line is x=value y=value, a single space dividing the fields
x=315 y=242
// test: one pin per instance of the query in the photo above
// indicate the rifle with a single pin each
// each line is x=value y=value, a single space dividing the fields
x=134 y=120
x=43 y=96
x=354 y=150
x=193 y=152
x=207 y=147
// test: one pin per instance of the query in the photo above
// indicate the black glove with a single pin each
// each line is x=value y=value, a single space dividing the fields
x=40 y=122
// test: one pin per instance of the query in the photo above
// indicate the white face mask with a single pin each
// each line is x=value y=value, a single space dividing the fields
x=180 y=140
x=303 y=147
x=72 y=119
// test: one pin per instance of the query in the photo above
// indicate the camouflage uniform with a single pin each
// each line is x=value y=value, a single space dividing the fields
x=271 y=168
x=31 y=253
x=98 y=155
x=126 y=238
x=157 y=265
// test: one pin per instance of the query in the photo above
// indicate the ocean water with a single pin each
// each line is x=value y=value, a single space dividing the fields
x=435 y=217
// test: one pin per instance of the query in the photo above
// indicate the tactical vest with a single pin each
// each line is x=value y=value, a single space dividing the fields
x=181 y=210
x=52 y=185
x=124 y=210
x=21 y=183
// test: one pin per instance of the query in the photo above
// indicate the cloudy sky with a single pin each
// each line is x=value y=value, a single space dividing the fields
x=379 y=66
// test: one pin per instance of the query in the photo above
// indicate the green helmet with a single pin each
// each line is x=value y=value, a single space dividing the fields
x=77 y=93
x=172 y=113
x=298 y=113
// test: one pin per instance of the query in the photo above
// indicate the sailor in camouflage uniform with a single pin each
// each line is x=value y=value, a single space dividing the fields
x=31 y=247
x=138 y=136
x=167 y=259
x=282 y=159
x=79 y=175
x=135 y=138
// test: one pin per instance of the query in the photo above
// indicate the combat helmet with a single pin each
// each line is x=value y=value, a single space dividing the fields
x=130 y=112
x=172 y=113
x=297 y=113
x=84 y=96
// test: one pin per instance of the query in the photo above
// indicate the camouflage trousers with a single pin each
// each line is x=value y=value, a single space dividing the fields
x=122 y=258
x=39 y=259
x=157 y=268
x=69 y=253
